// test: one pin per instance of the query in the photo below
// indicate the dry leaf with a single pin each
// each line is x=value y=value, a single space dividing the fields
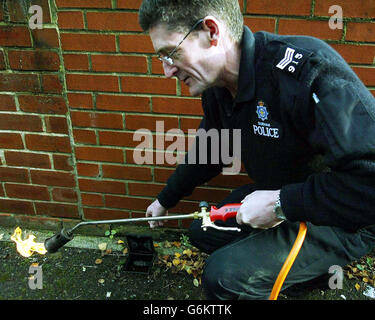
x=176 y=262
x=156 y=245
x=125 y=251
x=176 y=244
x=98 y=261
x=357 y=286
x=101 y=281
x=120 y=242
x=102 y=246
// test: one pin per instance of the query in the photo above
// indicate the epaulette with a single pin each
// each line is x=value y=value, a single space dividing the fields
x=291 y=60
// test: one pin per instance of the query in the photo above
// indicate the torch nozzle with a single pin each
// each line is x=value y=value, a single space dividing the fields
x=59 y=239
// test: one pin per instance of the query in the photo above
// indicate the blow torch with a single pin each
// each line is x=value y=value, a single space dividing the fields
x=208 y=217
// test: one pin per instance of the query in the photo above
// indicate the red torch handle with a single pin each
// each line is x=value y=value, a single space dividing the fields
x=225 y=212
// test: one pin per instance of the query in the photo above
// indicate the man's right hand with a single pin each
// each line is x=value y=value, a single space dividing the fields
x=155 y=209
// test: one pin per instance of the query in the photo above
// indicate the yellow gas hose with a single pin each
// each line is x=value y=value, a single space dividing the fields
x=289 y=261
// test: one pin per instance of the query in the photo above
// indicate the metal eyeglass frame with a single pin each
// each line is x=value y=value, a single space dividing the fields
x=168 y=58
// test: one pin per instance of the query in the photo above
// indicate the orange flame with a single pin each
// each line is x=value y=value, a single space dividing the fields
x=27 y=247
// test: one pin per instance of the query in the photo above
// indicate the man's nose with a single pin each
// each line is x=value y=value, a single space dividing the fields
x=169 y=71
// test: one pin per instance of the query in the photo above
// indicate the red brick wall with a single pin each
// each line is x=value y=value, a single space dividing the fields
x=73 y=93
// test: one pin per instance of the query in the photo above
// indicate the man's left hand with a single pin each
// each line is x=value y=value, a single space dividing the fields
x=257 y=210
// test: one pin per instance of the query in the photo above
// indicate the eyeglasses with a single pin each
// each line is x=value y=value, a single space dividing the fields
x=168 y=58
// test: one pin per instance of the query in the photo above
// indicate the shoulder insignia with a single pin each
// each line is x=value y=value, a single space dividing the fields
x=291 y=59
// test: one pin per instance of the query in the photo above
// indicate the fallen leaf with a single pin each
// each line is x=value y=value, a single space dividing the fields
x=196 y=282
x=176 y=244
x=156 y=245
x=98 y=261
x=357 y=286
x=176 y=262
x=125 y=251
x=120 y=242
x=101 y=281
x=102 y=246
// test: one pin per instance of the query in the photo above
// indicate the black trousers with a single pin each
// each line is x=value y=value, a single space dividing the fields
x=245 y=265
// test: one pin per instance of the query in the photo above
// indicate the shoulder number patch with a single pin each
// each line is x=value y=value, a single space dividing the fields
x=293 y=60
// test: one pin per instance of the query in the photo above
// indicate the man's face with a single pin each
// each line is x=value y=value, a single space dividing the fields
x=195 y=62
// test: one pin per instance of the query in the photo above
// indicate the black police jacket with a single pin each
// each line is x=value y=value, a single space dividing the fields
x=307 y=127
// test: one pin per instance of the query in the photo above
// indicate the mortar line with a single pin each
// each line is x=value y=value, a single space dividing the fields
x=62 y=76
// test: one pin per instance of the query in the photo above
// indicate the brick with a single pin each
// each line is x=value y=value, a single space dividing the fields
x=88 y=42
x=148 y=85
x=45 y=38
x=135 y=122
x=127 y=172
x=162 y=174
x=136 y=44
x=62 y=162
x=84 y=4
x=113 y=21
x=20 y=122
x=19 y=82
x=64 y=195
x=177 y=106
x=17 y=206
x=80 y=100
x=93 y=200
x=14 y=175
x=2 y=61
x=14 y=36
x=367 y=75
x=116 y=138
x=361 y=54
x=129 y=4
x=52 y=178
x=24 y=191
x=104 y=214
x=293 y=7
x=77 y=62
x=7 y=102
x=189 y=123
x=157 y=66
x=88 y=169
x=47 y=143
x=116 y=63
x=34 y=60
x=96 y=120
x=126 y=202
x=84 y=82
x=84 y=136
x=27 y=159
x=70 y=20
x=42 y=104
x=11 y=141
x=99 y=154
x=56 y=210
x=357 y=31
x=51 y=83
x=260 y=24
x=141 y=189
x=351 y=9
x=102 y=186
x=122 y=103
x=56 y=125
x=313 y=28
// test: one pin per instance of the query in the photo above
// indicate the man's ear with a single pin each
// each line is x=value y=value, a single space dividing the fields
x=211 y=24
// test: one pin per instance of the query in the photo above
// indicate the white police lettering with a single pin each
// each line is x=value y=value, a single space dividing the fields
x=266 y=131
x=290 y=59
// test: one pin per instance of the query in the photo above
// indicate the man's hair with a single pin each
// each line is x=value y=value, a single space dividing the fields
x=180 y=15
